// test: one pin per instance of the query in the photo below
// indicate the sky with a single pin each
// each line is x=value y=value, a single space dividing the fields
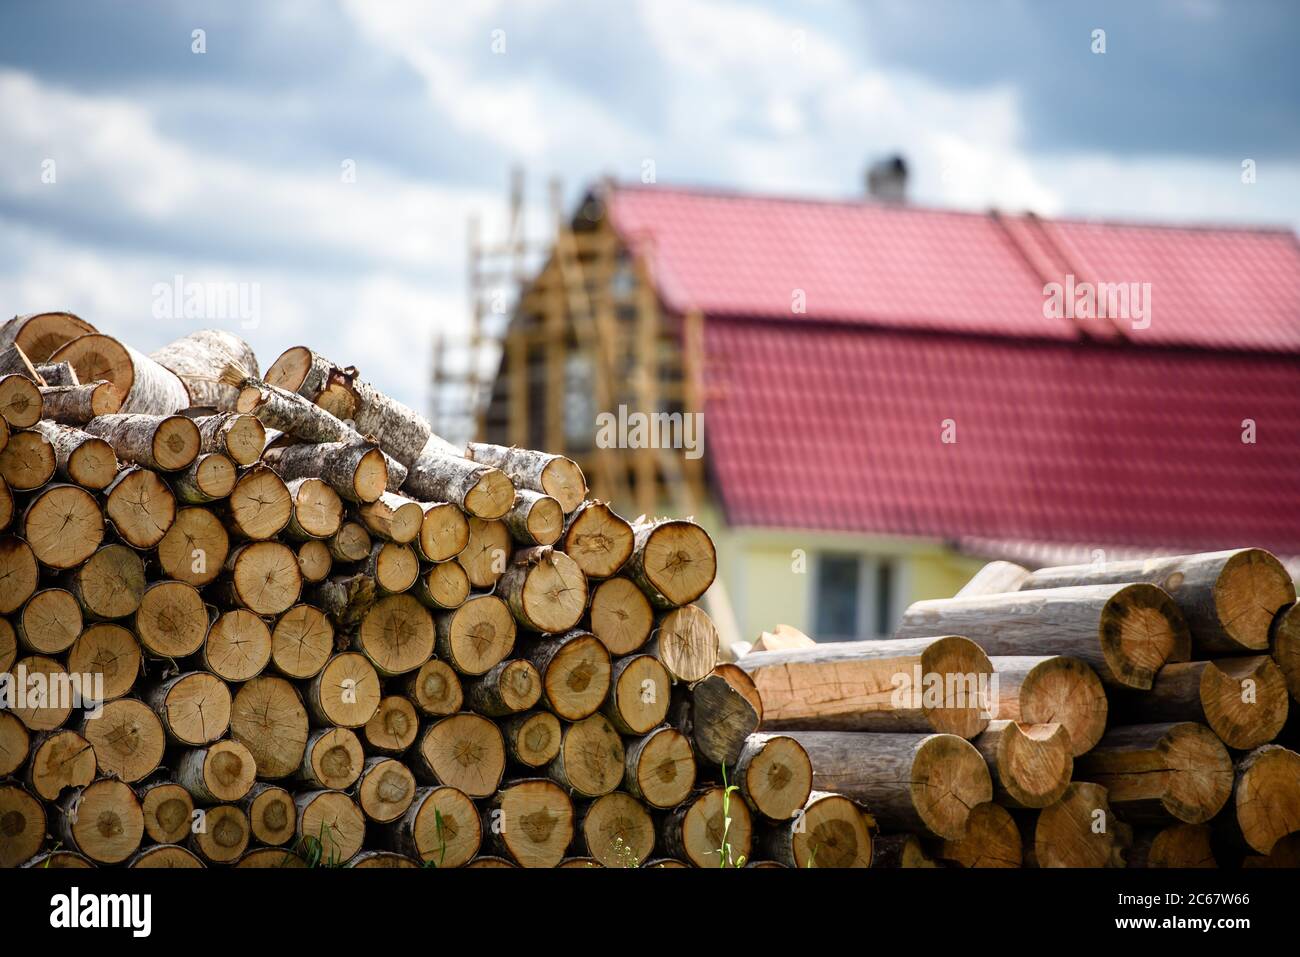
x=325 y=157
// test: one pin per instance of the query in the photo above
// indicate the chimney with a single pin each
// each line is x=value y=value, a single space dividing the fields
x=887 y=180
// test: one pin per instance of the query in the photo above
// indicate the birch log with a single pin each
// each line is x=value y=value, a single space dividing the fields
x=198 y=361
x=146 y=387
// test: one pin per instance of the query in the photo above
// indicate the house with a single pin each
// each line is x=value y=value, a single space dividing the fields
x=892 y=395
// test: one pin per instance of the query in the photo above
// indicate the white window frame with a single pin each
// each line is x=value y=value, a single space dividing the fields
x=869 y=565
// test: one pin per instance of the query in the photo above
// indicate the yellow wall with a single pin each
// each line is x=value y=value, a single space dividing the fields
x=768 y=584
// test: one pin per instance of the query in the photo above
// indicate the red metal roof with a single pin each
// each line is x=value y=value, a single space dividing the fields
x=832 y=419
x=904 y=267
x=839 y=428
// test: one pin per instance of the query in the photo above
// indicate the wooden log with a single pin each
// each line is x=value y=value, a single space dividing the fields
x=575 y=671
x=238 y=646
x=535 y=519
x=199 y=359
x=486 y=553
x=505 y=689
x=476 y=636
x=991 y=840
x=444 y=531
x=78 y=404
x=465 y=751
x=263 y=577
x=396 y=634
x=63 y=525
x=19 y=573
x=333 y=759
x=1228 y=598
x=620 y=616
x=1158 y=773
x=392 y=567
x=140 y=507
x=615 y=830
x=1054 y=689
x=774 y=775
x=269 y=719
x=15 y=743
x=169 y=856
x=109 y=585
x=47 y=701
x=659 y=768
x=393 y=517
x=1030 y=764
x=1125 y=632
x=109 y=650
x=1285 y=646
x=435 y=689
x=443 y=586
x=220 y=834
x=382 y=859
x=40 y=334
x=302 y=642
x=345 y=599
x=146 y=387
x=598 y=539
x=900 y=851
x=385 y=790
x=1243 y=700
x=101 y=821
x=995 y=578
x=172 y=620
x=357 y=472
x=529 y=821
x=286 y=411
x=393 y=727
x=673 y=561
x=317 y=510
x=238 y=436
x=57 y=374
x=1178 y=845
x=195 y=547
x=640 y=690
x=545 y=589
x=59 y=860
x=591 y=757
x=128 y=740
x=440 y=828
x=941 y=684
x=220 y=774
x=21 y=402
x=686 y=642
x=168 y=810
x=351 y=543
x=1285 y=853
x=1079 y=830
x=532 y=738
x=266 y=857
x=13 y=361
x=25 y=822
x=27 y=461
x=1266 y=796
x=79 y=457
x=712 y=830
x=49 y=622
x=59 y=760
x=8 y=645
x=439 y=476
x=722 y=719
x=210 y=478
x=925 y=783
x=346 y=693
x=552 y=475
x=314 y=561
x=259 y=506
x=6 y=504
x=401 y=430
x=194 y=707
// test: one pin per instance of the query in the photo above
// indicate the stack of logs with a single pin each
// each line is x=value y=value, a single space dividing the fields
x=275 y=621
x=1104 y=715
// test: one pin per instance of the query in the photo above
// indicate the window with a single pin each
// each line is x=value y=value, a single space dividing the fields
x=853 y=597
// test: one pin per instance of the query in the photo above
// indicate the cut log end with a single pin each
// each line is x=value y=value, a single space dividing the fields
x=1080 y=830
x=1252 y=587
x=1267 y=800
x=621 y=616
x=992 y=840
x=599 y=540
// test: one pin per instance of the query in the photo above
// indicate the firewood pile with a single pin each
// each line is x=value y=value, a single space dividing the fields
x=270 y=620
x=1104 y=715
